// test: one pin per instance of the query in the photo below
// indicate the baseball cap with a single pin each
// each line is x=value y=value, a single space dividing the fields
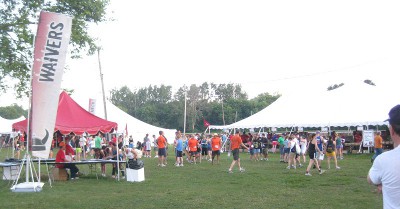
x=215 y=134
x=394 y=115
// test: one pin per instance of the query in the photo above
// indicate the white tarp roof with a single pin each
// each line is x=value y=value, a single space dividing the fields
x=137 y=128
x=6 y=124
x=349 y=105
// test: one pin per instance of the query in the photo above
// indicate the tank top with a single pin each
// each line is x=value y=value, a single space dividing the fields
x=311 y=148
x=338 y=141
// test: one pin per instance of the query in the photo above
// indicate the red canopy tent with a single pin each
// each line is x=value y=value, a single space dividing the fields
x=72 y=118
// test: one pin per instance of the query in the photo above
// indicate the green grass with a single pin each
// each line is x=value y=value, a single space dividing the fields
x=265 y=184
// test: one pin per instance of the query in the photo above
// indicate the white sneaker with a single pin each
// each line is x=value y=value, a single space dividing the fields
x=230 y=171
x=322 y=171
x=162 y=165
x=308 y=174
x=242 y=170
x=337 y=168
x=288 y=167
x=181 y=165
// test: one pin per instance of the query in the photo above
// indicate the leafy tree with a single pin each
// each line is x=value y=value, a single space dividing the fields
x=218 y=104
x=369 y=82
x=263 y=100
x=335 y=86
x=18 y=19
x=123 y=98
x=13 y=112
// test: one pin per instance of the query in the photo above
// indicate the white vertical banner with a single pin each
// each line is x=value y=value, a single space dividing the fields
x=92 y=106
x=52 y=39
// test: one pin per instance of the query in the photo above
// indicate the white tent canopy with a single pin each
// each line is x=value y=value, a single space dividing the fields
x=350 y=105
x=137 y=128
x=6 y=124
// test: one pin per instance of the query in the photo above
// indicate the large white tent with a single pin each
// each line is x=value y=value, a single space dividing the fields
x=135 y=127
x=353 y=104
x=6 y=124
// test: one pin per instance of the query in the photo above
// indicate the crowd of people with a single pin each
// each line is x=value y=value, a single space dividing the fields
x=293 y=148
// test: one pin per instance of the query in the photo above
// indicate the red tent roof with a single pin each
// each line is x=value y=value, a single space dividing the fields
x=72 y=118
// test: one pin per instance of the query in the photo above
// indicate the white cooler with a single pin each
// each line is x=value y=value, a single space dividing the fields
x=135 y=175
x=10 y=173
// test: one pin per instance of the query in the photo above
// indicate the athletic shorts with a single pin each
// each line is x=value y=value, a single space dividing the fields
x=274 y=143
x=235 y=154
x=339 y=146
x=204 y=151
x=311 y=155
x=162 y=152
x=216 y=152
x=178 y=153
x=78 y=150
x=265 y=151
x=332 y=154
x=193 y=153
x=251 y=151
x=317 y=154
x=281 y=150
x=286 y=150
x=256 y=150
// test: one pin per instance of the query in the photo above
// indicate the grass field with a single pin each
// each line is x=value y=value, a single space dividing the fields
x=265 y=184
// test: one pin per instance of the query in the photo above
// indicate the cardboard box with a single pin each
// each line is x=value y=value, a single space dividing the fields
x=135 y=175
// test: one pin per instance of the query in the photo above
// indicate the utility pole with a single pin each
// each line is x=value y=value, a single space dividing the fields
x=223 y=114
x=184 y=118
x=102 y=85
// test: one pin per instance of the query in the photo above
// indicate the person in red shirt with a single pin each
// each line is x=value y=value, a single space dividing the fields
x=60 y=158
x=216 y=147
x=236 y=143
x=162 y=152
x=193 y=144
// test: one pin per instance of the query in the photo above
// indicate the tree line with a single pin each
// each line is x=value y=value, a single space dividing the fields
x=218 y=104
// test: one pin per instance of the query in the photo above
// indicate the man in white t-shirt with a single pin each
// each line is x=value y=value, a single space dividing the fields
x=385 y=171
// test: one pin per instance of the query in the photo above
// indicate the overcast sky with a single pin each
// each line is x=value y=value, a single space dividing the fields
x=266 y=46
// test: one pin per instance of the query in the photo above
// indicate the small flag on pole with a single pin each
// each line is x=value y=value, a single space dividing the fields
x=126 y=130
x=206 y=123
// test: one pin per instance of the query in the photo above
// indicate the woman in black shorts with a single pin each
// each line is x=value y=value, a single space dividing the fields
x=312 y=149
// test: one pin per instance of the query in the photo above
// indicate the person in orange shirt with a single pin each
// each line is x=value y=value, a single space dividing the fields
x=193 y=144
x=162 y=152
x=236 y=143
x=378 y=145
x=215 y=146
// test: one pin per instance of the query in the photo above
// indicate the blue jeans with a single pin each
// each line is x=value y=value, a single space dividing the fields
x=377 y=151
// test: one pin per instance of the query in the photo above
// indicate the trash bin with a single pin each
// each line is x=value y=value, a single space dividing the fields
x=134 y=170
